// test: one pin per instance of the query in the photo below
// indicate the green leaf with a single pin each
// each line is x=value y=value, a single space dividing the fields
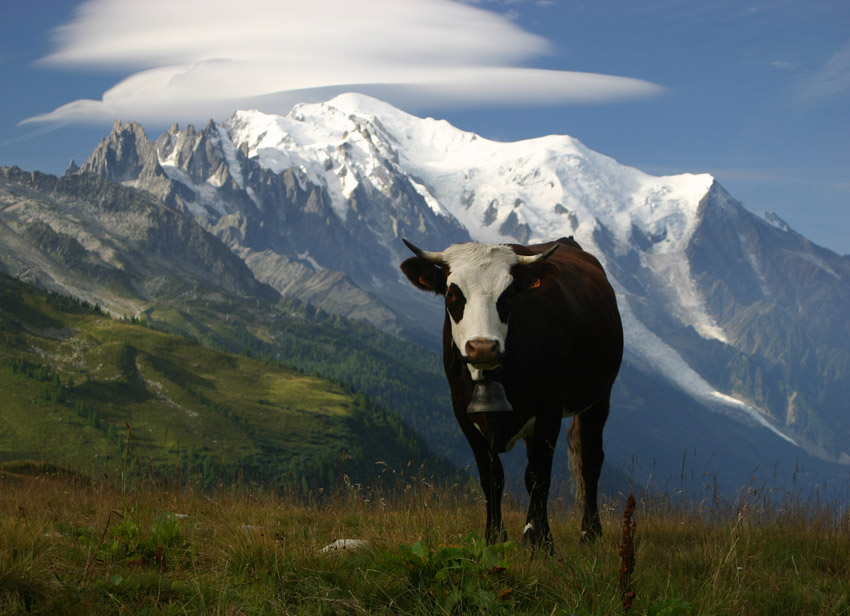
x=449 y=553
x=451 y=600
x=490 y=557
x=484 y=598
x=419 y=549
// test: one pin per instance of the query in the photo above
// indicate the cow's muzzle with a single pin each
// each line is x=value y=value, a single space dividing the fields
x=483 y=353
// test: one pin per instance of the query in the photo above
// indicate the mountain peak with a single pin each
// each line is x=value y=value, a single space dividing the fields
x=527 y=190
x=123 y=155
x=358 y=104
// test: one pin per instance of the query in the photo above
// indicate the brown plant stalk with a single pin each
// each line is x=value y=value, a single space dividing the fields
x=627 y=555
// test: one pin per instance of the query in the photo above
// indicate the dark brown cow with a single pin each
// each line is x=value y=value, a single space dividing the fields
x=543 y=321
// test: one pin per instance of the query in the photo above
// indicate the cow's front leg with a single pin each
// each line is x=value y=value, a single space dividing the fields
x=540 y=447
x=492 y=477
x=493 y=484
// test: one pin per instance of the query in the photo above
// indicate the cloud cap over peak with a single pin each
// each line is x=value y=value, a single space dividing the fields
x=192 y=60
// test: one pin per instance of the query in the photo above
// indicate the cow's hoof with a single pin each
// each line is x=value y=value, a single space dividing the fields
x=591 y=530
x=540 y=542
x=495 y=536
x=589 y=537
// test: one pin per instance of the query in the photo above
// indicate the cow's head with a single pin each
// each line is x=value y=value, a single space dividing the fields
x=480 y=283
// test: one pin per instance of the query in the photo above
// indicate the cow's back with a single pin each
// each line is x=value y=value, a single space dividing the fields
x=568 y=338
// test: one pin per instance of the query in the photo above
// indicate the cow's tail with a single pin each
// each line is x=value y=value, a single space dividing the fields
x=574 y=460
x=585 y=450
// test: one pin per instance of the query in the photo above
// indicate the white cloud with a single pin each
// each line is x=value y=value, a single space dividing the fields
x=831 y=80
x=783 y=65
x=195 y=60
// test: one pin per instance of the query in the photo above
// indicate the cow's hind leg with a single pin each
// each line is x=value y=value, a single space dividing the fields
x=540 y=447
x=586 y=456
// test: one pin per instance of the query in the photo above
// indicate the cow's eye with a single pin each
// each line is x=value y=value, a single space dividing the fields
x=455 y=302
x=505 y=302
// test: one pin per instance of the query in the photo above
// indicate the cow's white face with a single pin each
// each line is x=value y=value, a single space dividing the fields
x=479 y=283
x=479 y=277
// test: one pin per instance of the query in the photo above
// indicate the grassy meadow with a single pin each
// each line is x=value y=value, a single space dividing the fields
x=110 y=397
x=69 y=545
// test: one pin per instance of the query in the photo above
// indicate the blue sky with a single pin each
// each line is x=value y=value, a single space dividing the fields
x=756 y=93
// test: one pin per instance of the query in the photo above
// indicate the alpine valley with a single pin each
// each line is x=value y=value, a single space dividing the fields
x=282 y=235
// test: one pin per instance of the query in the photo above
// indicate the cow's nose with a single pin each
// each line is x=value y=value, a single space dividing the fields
x=483 y=351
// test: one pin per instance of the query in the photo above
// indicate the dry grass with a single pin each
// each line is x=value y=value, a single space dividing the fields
x=74 y=547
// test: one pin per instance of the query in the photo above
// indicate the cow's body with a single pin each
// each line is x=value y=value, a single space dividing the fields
x=559 y=345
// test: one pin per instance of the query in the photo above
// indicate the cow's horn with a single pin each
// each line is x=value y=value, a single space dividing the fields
x=434 y=257
x=529 y=259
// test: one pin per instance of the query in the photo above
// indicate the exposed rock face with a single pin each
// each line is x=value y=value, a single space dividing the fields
x=125 y=155
x=329 y=289
x=109 y=244
x=784 y=304
x=284 y=219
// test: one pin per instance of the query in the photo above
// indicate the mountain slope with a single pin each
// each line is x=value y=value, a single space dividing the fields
x=728 y=307
x=43 y=217
x=80 y=232
x=266 y=215
x=785 y=305
x=78 y=382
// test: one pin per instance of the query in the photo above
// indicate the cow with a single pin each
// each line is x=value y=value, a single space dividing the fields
x=542 y=320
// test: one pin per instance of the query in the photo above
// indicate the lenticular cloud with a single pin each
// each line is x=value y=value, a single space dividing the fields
x=192 y=60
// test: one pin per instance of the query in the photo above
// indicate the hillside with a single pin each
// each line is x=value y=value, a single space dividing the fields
x=72 y=235
x=104 y=396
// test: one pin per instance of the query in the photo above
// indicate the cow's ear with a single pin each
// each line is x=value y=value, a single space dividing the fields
x=537 y=277
x=424 y=274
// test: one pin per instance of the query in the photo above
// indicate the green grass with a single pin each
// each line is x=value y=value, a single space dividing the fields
x=69 y=546
x=398 y=375
x=111 y=397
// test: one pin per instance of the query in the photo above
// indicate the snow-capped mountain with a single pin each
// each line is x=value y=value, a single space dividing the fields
x=736 y=310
